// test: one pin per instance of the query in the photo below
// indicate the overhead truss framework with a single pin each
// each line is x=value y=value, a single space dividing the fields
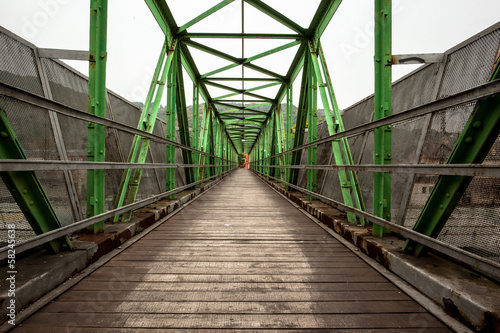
x=246 y=101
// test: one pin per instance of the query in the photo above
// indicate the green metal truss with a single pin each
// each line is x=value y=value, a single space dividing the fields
x=340 y=148
x=473 y=145
x=129 y=185
x=27 y=190
x=382 y=153
x=96 y=147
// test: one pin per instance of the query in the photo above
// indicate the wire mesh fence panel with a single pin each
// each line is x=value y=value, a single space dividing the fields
x=415 y=89
x=405 y=138
x=180 y=175
x=11 y=214
x=33 y=129
x=470 y=65
x=66 y=86
x=18 y=67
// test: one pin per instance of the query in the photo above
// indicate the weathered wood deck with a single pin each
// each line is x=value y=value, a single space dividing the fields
x=240 y=258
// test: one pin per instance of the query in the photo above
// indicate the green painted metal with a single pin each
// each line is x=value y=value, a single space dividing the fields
x=383 y=108
x=96 y=148
x=204 y=15
x=182 y=120
x=300 y=124
x=339 y=125
x=27 y=191
x=130 y=187
x=312 y=130
x=324 y=14
x=204 y=138
x=272 y=51
x=473 y=145
x=277 y=16
x=170 y=127
x=163 y=16
x=143 y=120
x=340 y=148
x=281 y=142
x=196 y=129
x=289 y=117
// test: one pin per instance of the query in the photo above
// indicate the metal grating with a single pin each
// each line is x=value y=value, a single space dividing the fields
x=66 y=86
x=18 y=67
x=470 y=65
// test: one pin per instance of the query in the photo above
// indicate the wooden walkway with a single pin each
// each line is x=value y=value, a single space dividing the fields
x=240 y=258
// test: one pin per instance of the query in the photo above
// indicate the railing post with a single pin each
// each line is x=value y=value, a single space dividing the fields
x=312 y=131
x=170 y=131
x=289 y=138
x=196 y=128
x=97 y=106
x=383 y=108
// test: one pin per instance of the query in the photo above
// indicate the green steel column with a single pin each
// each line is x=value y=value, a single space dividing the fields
x=196 y=128
x=170 y=126
x=131 y=187
x=280 y=142
x=203 y=139
x=300 y=123
x=340 y=148
x=125 y=181
x=473 y=145
x=289 y=137
x=182 y=121
x=97 y=106
x=312 y=131
x=211 y=143
x=27 y=191
x=383 y=108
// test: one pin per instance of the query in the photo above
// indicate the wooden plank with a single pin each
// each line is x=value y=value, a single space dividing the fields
x=258 y=287
x=113 y=275
x=166 y=330
x=239 y=296
x=240 y=259
x=234 y=321
x=237 y=307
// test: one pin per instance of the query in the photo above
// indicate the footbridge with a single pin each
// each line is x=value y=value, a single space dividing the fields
x=259 y=205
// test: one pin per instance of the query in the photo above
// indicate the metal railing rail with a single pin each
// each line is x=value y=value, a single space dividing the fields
x=76 y=226
x=480 y=264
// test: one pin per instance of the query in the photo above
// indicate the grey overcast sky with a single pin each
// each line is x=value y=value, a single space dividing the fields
x=134 y=38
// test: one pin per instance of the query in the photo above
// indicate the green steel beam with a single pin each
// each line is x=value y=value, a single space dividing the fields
x=473 y=145
x=196 y=127
x=272 y=51
x=163 y=16
x=289 y=115
x=212 y=51
x=170 y=126
x=217 y=71
x=383 y=108
x=130 y=187
x=96 y=146
x=264 y=8
x=204 y=15
x=143 y=125
x=312 y=130
x=340 y=148
x=280 y=131
x=240 y=36
x=301 y=122
x=182 y=120
x=27 y=191
x=237 y=79
x=322 y=18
